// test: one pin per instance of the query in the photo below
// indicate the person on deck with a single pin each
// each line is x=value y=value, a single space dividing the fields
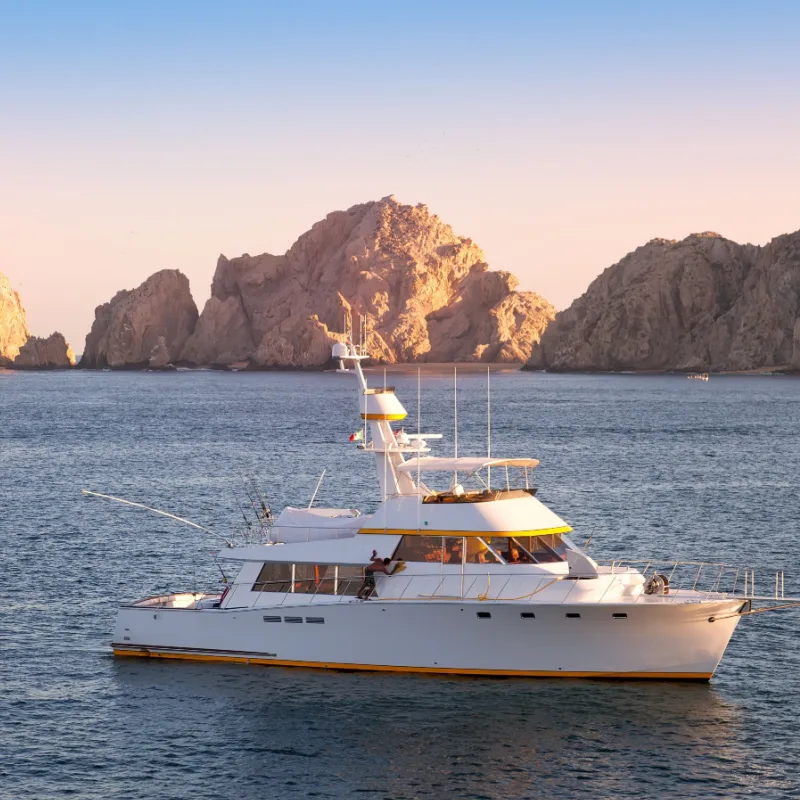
x=376 y=564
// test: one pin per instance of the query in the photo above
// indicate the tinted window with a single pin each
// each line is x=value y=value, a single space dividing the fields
x=478 y=552
x=274 y=578
x=420 y=548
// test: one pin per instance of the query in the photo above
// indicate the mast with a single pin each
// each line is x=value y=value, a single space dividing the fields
x=489 y=424
x=378 y=408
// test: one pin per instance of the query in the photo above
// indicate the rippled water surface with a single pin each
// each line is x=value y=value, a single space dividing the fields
x=653 y=466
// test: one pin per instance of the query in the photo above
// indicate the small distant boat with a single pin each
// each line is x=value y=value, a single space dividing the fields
x=698 y=376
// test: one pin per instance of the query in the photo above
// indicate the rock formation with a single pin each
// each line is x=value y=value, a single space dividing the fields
x=13 y=325
x=50 y=353
x=149 y=323
x=427 y=294
x=704 y=303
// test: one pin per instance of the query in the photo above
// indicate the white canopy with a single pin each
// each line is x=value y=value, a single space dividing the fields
x=467 y=464
x=353 y=551
x=319 y=518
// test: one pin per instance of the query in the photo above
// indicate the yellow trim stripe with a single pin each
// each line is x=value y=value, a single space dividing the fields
x=488 y=534
x=389 y=417
x=693 y=676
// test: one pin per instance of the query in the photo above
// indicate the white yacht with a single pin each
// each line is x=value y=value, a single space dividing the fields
x=482 y=579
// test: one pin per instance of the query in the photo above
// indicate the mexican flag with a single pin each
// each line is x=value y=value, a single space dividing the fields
x=357 y=436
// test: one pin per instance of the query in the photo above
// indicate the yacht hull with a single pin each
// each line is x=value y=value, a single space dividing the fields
x=654 y=640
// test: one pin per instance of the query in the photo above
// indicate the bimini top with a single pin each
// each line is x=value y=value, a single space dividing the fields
x=467 y=465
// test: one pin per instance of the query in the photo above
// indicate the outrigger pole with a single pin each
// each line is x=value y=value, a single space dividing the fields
x=157 y=511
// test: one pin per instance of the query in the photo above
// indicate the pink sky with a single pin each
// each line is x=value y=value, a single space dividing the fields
x=557 y=145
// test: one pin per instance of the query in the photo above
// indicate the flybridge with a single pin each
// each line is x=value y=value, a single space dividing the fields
x=378 y=407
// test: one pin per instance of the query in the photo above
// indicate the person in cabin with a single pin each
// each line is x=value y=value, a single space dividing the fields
x=454 y=556
x=513 y=555
x=376 y=564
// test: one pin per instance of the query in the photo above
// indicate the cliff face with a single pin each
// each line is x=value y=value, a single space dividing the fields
x=13 y=325
x=50 y=353
x=152 y=321
x=704 y=303
x=427 y=294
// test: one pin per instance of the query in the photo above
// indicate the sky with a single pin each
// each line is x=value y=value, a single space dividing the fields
x=559 y=136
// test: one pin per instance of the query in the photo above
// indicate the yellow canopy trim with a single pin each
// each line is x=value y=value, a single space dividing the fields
x=484 y=534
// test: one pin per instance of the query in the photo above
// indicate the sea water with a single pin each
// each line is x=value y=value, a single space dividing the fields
x=647 y=465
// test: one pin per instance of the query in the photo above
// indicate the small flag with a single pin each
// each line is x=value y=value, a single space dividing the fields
x=357 y=436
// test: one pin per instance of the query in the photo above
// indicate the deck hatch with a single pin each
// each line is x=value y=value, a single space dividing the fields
x=292 y=619
x=272 y=619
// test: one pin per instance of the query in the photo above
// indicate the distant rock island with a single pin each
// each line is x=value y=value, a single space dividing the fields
x=144 y=327
x=20 y=350
x=427 y=295
x=701 y=304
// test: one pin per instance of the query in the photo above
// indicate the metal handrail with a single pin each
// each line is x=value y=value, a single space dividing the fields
x=678 y=590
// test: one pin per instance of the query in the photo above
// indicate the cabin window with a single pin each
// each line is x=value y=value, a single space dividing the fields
x=530 y=549
x=453 y=550
x=349 y=580
x=310 y=579
x=431 y=549
x=274 y=577
x=478 y=552
x=546 y=549
x=511 y=549
x=420 y=548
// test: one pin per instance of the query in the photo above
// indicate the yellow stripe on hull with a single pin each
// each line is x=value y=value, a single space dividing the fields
x=387 y=417
x=211 y=656
x=428 y=532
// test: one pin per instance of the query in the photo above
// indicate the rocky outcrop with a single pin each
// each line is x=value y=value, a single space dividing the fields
x=148 y=324
x=427 y=295
x=51 y=353
x=13 y=325
x=703 y=303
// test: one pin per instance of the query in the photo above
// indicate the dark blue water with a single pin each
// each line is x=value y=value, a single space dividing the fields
x=653 y=465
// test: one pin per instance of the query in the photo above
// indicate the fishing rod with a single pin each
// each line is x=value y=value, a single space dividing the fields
x=264 y=516
x=157 y=511
x=241 y=508
x=319 y=483
x=252 y=503
x=219 y=567
x=266 y=511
